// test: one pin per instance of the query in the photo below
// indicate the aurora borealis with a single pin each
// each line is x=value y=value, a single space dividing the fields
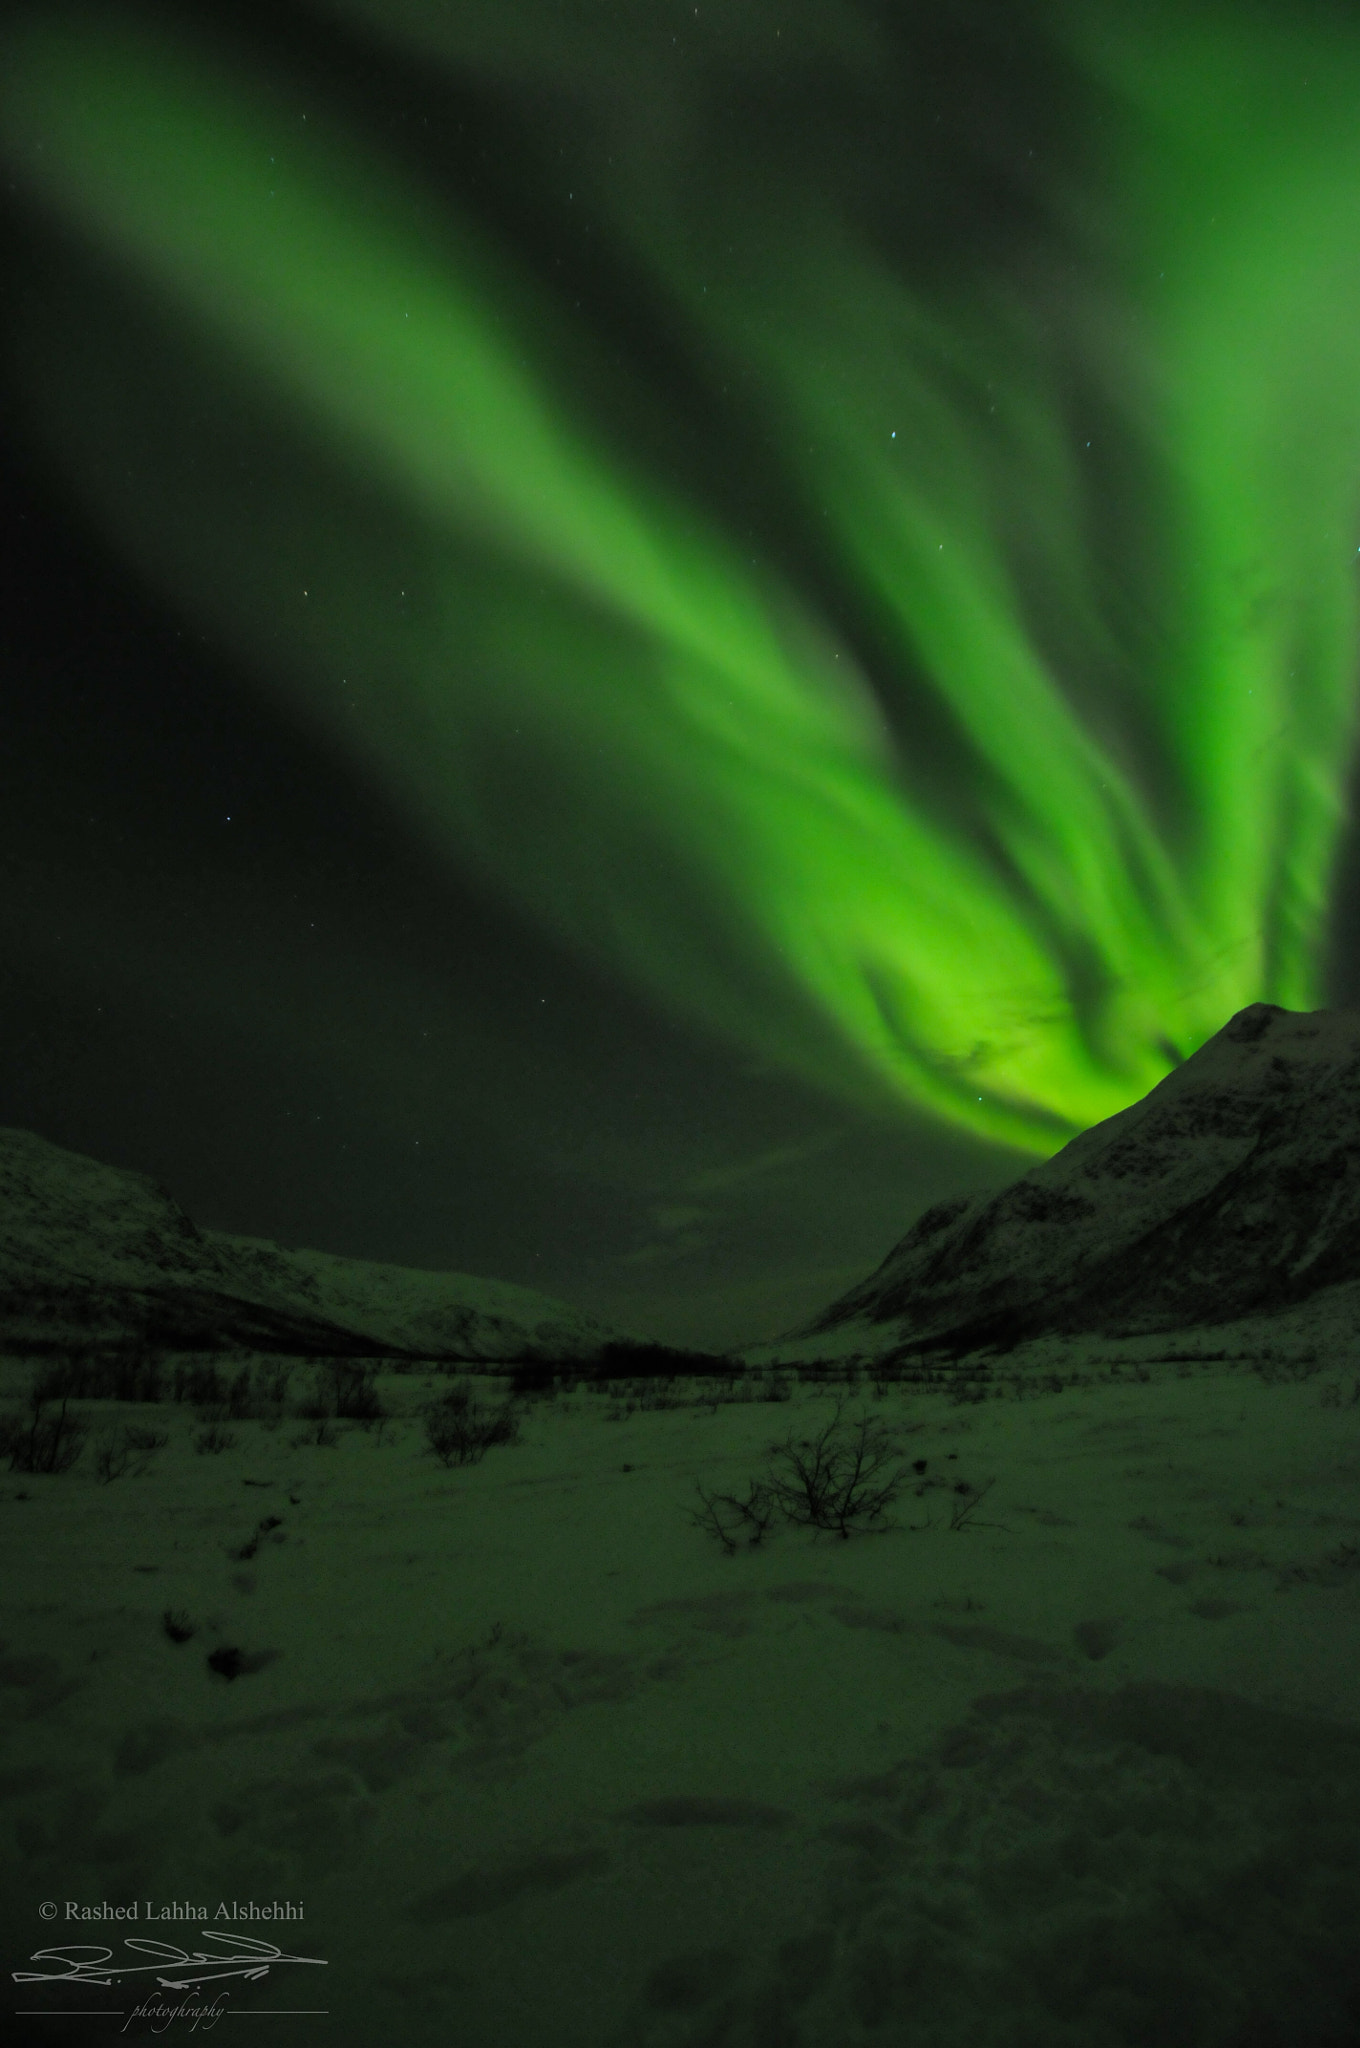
x=886 y=594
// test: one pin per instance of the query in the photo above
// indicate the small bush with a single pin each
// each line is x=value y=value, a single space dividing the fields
x=322 y=1434
x=241 y=1402
x=972 y=1393
x=342 y=1390
x=836 y=1478
x=256 y=1391
x=461 y=1434
x=126 y=1450
x=724 y=1516
x=214 y=1439
x=147 y=1439
x=967 y=1500
x=247 y=1396
x=201 y=1384
x=353 y=1396
x=126 y=1374
x=834 y=1481
x=837 y=1481
x=271 y=1383
x=44 y=1442
x=1274 y=1369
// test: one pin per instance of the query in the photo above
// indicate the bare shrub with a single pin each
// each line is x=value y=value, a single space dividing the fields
x=724 y=1516
x=461 y=1433
x=120 y=1451
x=146 y=1439
x=967 y=1500
x=199 y=1382
x=839 y=1477
x=242 y=1405
x=48 y=1440
x=969 y=1390
x=353 y=1396
x=271 y=1383
x=322 y=1435
x=214 y=1439
x=1274 y=1369
x=127 y=1372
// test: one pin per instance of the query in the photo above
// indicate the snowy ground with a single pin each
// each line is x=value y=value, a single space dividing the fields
x=544 y=1767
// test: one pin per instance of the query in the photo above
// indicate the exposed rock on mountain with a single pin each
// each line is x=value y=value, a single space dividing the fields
x=1231 y=1190
x=93 y=1256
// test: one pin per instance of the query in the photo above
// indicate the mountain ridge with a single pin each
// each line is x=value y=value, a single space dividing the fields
x=1230 y=1190
x=95 y=1254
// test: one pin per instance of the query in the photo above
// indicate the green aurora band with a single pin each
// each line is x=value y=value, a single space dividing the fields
x=1074 y=794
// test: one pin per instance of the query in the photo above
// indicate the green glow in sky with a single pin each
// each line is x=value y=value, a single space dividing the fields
x=334 y=421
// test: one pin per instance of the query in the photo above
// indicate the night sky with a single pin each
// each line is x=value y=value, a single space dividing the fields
x=639 y=638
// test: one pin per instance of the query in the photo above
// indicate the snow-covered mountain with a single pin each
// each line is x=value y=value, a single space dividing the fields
x=1231 y=1190
x=92 y=1255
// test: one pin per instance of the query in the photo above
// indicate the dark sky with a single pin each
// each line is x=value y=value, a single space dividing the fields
x=243 y=951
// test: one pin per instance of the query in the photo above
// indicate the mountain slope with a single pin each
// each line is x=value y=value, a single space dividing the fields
x=90 y=1254
x=1232 y=1189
